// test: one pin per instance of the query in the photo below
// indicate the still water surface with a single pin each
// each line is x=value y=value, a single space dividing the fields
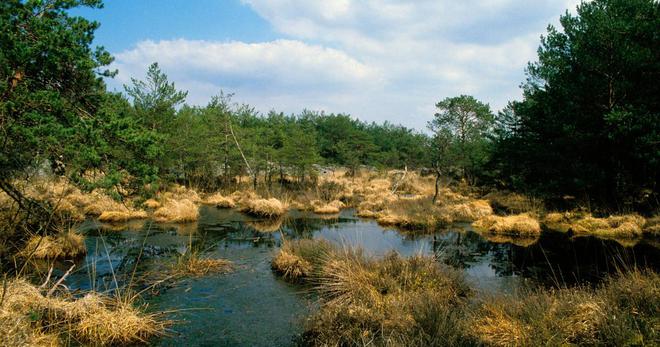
x=252 y=307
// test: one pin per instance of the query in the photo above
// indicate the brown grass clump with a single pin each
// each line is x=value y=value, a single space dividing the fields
x=522 y=224
x=152 y=204
x=219 y=201
x=652 y=226
x=91 y=320
x=192 y=263
x=332 y=207
x=178 y=192
x=413 y=214
x=264 y=207
x=121 y=216
x=389 y=301
x=468 y=211
x=514 y=203
x=621 y=311
x=299 y=259
x=613 y=226
x=66 y=244
x=177 y=211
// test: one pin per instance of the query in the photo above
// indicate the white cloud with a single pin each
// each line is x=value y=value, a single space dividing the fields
x=378 y=60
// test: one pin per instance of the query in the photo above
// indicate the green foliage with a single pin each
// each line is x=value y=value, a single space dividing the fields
x=50 y=81
x=588 y=123
x=461 y=129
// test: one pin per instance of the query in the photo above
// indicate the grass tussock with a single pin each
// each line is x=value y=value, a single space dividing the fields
x=522 y=224
x=192 y=264
x=219 y=201
x=616 y=226
x=177 y=211
x=467 y=211
x=388 y=301
x=268 y=208
x=332 y=207
x=514 y=203
x=623 y=311
x=179 y=192
x=63 y=245
x=121 y=216
x=300 y=259
x=31 y=316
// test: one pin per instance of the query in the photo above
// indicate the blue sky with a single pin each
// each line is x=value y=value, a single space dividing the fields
x=376 y=60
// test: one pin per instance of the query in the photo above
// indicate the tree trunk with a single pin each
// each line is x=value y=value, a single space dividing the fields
x=437 y=186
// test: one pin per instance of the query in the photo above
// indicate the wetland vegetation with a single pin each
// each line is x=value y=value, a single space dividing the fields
x=135 y=218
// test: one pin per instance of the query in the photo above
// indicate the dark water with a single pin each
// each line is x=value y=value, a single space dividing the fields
x=252 y=307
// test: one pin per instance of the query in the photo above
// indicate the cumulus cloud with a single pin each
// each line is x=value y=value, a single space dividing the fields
x=377 y=60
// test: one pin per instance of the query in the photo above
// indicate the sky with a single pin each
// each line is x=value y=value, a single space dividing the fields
x=375 y=60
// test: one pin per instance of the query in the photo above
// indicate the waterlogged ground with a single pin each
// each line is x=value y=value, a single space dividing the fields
x=252 y=307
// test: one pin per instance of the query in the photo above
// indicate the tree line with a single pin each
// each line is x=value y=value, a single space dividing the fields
x=587 y=125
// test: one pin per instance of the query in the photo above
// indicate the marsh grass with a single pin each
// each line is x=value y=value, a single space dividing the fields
x=301 y=259
x=516 y=225
x=192 y=263
x=121 y=216
x=177 y=211
x=268 y=208
x=416 y=301
x=64 y=245
x=59 y=318
x=614 y=226
x=220 y=201
x=332 y=207
x=379 y=301
x=623 y=310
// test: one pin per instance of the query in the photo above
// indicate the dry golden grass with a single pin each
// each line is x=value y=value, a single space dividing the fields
x=332 y=207
x=264 y=207
x=299 y=259
x=612 y=226
x=177 y=211
x=220 y=201
x=514 y=203
x=152 y=204
x=121 y=216
x=65 y=244
x=291 y=266
x=193 y=264
x=522 y=224
x=496 y=328
x=467 y=211
x=388 y=301
x=178 y=192
x=652 y=226
x=93 y=319
x=623 y=310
